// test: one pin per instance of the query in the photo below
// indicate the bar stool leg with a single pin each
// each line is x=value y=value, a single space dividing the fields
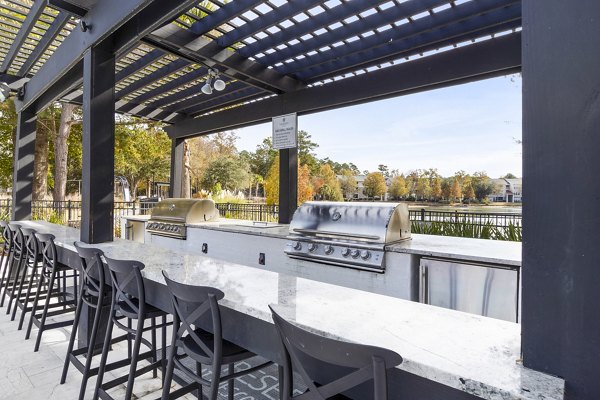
x=199 y=373
x=19 y=291
x=90 y=352
x=30 y=286
x=44 y=313
x=168 y=375
x=71 y=341
x=230 y=382
x=105 y=350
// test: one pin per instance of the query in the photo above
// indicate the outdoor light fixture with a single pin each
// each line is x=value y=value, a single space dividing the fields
x=213 y=79
x=4 y=91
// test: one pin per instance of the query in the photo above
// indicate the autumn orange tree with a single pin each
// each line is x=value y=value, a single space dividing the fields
x=305 y=189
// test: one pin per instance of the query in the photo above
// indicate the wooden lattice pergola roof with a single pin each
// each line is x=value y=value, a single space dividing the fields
x=267 y=52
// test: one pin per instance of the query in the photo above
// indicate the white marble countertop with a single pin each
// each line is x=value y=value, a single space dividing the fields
x=470 y=353
x=475 y=250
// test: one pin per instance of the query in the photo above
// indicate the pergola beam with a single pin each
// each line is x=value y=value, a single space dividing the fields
x=32 y=16
x=51 y=33
x=128 y=21
x=68 y=7
x=420 y=42
x=185 y=42
x=486 y=59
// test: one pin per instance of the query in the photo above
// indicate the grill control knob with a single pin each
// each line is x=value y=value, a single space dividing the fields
x=312 y=247
x=328 y=249
x=355 y=253
x=365 y=254
x=297 y=246
x=345 y=252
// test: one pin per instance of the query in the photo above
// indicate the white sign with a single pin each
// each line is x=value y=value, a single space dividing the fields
x=285 y=131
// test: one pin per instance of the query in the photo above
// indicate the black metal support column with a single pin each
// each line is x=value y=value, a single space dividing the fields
x=98 y=144
x=23 y=165
x=561 y=210
x=177 y=149
x=288 y=184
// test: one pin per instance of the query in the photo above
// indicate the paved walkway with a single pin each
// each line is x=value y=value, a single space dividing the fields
x=27 y=375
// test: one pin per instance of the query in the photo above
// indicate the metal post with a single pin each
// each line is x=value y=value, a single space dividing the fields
x=69 y=210
x=98 y=144
x=561 y=116
x=288 y=184
x=175 y=187
x=23 y=165
x=422 y=214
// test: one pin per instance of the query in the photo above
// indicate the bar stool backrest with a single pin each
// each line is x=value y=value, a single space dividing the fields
x=92 y=272
x=369 y=362
x=128 y=284
x=190 y=304
x=7 y=236
x=32 y=247
x=48 y=250
x=17 y=238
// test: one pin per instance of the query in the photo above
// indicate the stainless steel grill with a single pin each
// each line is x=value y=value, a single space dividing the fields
x=169 y=217
x=347 y=234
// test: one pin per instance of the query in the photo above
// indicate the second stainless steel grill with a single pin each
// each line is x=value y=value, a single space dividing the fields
x=347 y=234
x=169 y=217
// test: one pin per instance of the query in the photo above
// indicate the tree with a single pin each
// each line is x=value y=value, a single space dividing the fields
x=327 y=185
x=348 y=183
x=61 y=151
x=306 y=155
x=142 y=152
x=45 y=129
x=509 y=176
x=436 y=190
x=470 y=193
x=374 y=185
x=384 y=170
x=8 y=124
x=305 y=189
x=398 y=187
x=228 y=171
x=447 y=188
x=456 y=191
x=272 y=183
x=482 y=185
x=423 y=189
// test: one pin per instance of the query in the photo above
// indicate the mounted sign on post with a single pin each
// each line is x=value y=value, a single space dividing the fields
x=285 y=131
x=285 y=139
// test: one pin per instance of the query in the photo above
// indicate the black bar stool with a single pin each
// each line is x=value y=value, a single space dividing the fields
x=6 y=254
x=94 y=294
x=368 y=362
x=49 y=289
x=190 y=305
x=16 y=266
x=129 y=302
x=28 y=277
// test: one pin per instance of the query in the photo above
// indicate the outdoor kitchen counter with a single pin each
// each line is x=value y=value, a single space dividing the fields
x=456 y=248
x=473 y=354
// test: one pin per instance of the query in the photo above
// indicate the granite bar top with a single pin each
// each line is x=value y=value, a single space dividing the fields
x=474 y=354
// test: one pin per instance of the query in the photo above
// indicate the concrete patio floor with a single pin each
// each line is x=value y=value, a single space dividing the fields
x=27 y=375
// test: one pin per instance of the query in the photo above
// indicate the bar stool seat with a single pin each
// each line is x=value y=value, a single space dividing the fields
x=230 y=352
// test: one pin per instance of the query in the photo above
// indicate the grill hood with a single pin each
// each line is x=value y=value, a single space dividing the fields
x=378 y=223
x=188 y=211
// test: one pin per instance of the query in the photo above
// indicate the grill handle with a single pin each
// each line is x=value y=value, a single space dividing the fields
x=317 y=232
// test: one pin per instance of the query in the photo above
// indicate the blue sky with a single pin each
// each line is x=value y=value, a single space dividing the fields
x=473 y=127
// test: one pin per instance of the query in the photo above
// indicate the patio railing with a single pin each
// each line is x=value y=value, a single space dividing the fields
x=69 y=213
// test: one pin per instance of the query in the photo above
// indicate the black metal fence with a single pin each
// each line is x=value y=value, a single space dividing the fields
x=499 y=220
x=253 y=212
x=69 y=213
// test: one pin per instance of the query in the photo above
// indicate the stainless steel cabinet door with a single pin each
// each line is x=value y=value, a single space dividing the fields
x=473 y=288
